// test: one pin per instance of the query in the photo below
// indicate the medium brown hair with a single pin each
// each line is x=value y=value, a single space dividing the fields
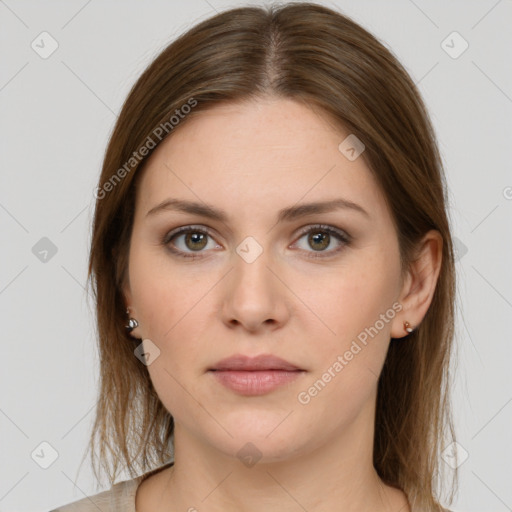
x=317 y=56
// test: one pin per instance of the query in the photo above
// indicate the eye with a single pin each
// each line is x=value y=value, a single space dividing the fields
x=320 y=237
x=193 y=238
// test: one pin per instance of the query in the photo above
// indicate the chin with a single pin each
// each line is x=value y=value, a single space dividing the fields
x=251 y=450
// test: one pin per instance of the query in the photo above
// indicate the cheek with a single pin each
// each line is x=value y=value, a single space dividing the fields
x=168 y=309
x=166 y=293
x=358 y=307
x=352 y=298
x=181 y=363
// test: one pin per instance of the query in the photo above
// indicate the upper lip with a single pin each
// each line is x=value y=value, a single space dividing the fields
x=261 y=362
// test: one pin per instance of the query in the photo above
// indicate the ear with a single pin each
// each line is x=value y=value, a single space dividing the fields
x=125 y=286
x=126 y=292
x=420 y=283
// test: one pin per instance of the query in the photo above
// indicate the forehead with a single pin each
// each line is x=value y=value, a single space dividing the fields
x=256 y=154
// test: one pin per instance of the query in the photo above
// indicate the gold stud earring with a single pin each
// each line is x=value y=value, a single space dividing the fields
x=407 y=327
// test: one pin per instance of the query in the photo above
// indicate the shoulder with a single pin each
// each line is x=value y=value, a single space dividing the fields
x=120 y=498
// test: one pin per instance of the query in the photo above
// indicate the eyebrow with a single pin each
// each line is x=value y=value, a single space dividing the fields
x=286 y=214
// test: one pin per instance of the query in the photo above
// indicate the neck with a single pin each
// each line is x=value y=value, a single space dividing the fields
x=334 y=474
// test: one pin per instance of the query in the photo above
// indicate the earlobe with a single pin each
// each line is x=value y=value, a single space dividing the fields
x=131 y=322
x=407 y=327
x=420 y=284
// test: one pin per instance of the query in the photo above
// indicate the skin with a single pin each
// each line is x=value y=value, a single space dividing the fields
x=253 y=159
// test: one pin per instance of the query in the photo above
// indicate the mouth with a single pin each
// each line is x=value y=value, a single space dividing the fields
x=254 y=376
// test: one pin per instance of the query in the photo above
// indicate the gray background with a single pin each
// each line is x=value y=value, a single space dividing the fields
x=56 y=116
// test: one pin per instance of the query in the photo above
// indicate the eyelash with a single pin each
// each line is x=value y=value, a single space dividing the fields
x=338 y=234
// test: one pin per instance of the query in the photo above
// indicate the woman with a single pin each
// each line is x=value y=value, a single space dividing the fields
x=274 y=276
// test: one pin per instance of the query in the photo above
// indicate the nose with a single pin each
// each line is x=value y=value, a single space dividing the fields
x=255 y=296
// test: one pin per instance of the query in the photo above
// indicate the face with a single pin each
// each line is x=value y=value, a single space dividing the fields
x=318 y=290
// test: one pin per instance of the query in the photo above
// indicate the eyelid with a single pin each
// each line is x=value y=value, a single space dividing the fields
x=325 y=227
x=184 y=229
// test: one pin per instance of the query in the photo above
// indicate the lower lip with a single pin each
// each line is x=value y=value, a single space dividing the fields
x=256 y=382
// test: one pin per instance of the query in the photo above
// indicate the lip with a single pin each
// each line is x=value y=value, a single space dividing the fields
x=262 y=362
x=252 y=376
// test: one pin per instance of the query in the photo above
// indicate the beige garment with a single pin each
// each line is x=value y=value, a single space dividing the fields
x=120 y=497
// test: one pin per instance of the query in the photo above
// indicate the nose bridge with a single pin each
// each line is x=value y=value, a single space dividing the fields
x=251 y=262
x=253 y=295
